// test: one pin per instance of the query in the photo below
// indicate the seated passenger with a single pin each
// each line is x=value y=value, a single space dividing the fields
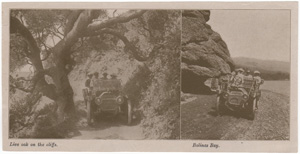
x=239 y=78
x=104 y=76
x=247 y=74
x=248 y=82
x=225 y=81
x=115 y=82
x=233 y=74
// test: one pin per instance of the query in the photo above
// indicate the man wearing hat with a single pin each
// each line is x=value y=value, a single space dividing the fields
x=233 y=74
x=104 y=76
x=257 y=77
x=225 y=80
x=88 y=80
x=113 y=76
x=95 y=83
x=116 y=82
x=258 y=82
x=247 y=74
x=240 y=72
x=88 y=89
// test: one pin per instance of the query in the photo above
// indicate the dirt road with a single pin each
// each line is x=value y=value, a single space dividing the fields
x=199 y=119
x=106 y=127
x=110 y=129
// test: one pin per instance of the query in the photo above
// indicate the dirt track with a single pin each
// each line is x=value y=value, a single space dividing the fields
x=107 y=127
x=199 y=120
x=111 y=128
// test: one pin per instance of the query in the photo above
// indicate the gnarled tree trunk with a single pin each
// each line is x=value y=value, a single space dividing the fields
x=79 y=23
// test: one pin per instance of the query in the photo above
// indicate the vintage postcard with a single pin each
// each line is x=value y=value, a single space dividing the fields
x=150 y=77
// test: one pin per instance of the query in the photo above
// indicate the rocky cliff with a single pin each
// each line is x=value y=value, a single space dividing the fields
x=204 y=53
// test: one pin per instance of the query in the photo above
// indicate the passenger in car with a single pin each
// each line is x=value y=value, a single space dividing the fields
x=233 y=74
x=104 y=76
x=248 y=74
x=116 y=82
x=239 y=78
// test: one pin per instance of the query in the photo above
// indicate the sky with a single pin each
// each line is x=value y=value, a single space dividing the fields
x=260 y=34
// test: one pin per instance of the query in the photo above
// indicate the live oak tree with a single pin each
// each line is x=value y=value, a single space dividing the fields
x=79 y=23
x=47 y=40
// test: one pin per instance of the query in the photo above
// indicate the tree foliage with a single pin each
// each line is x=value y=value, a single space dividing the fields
x=52 y=42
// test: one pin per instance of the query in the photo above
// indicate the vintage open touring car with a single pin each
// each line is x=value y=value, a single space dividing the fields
x=236 y=96
x=107 y=100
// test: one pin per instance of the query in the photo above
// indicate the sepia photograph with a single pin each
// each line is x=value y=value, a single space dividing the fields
x=235 y=75
x=94 y=74
x=150 y=77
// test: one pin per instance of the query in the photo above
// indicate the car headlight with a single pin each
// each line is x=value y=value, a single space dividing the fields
x=98 y=101
x=225 y=95
x=245 y=96
x=120 y=99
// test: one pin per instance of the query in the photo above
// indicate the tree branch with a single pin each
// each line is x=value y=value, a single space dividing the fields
x=57 y=35
x=62 y=48
x=34 y=56
x=17 y=27
x=21 y=88
x=47 y=56
x=71 y=19
x=56 y=29
x=18 y=83
x=27 y=61
x=114 y=12
x=120 y=19
x=128 y=45
x=81 y=44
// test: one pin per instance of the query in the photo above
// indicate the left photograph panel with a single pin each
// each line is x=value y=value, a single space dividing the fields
x=94 y=74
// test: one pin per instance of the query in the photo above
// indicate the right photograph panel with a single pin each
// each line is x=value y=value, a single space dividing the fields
x=235 y=75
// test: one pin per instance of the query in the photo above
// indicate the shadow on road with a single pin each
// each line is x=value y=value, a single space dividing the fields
x=105 y=122
x=213 y=112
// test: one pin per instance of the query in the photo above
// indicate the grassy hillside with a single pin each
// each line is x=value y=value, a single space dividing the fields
x=270 y=69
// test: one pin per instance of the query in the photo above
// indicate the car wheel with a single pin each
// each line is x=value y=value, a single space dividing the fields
x=129 y=113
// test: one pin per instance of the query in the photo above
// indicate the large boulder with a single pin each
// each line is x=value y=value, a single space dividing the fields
x=204 y=53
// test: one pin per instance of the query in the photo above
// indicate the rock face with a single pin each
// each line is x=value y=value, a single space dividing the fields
x=204 y=53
